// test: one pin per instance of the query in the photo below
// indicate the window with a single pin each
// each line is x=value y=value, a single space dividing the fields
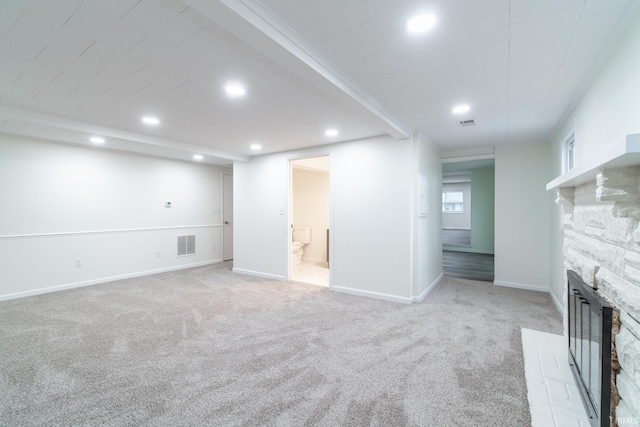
x=570 y=151
x=452 y=201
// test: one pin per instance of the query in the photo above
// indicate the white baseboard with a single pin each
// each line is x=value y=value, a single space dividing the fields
x=426 y=292
x=102 y=280
x=521 y=286
x=558 y=304
x=376 y=295
x=258 y=274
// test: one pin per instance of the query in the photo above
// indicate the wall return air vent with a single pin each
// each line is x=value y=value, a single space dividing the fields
x=186 y=245
x=465 y=123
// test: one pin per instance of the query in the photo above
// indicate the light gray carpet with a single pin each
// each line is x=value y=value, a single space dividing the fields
x=209 y=347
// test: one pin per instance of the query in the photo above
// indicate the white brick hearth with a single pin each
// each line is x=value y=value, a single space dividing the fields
x=554 y=400
x=602 y=244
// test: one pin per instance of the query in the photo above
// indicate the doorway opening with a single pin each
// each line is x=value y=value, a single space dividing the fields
x=468 y=198
x=309 y=207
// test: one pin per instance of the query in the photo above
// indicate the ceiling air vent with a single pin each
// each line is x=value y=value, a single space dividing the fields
x=465 y=123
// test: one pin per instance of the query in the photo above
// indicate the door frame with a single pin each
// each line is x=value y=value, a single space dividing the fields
x=222 y=225
x=289 y=223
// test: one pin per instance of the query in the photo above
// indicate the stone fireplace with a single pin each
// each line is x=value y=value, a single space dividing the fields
x=601 y=218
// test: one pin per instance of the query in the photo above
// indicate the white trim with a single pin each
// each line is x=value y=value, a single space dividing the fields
x=87 y=232
x=569 y=156
x=521 y=286
x=468 y=158
x=376 y=295
x=258 y=274
x=427 y=291
x=558 y=304
x=103 y=280
x=467 y=249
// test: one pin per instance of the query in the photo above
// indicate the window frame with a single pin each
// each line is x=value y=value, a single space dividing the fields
x=462 y=203
x=569 y=151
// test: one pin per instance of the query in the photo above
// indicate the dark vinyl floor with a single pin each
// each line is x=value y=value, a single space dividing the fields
x=468 y=265
x=456 y=237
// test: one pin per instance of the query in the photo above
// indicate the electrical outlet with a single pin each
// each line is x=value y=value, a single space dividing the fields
x=158 y=254
x=213 y=247
x=78 y=262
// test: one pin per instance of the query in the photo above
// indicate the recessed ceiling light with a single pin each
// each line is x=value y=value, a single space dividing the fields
x=420 y=23
x=460 y=109
x=97 y=140
x=198 y=157
x=255 y=147
x=331 y=132
x=235 y=90
x=150 y=120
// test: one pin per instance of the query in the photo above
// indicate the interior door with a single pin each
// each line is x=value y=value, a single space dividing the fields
x=227 y=217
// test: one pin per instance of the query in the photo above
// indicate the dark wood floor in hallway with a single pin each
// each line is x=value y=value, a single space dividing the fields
x=453 y=236
x=466 y=265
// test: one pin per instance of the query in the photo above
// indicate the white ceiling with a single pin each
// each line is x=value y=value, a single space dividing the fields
x=72 y=69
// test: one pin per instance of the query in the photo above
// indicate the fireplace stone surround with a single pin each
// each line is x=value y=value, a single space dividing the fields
x=601 y=225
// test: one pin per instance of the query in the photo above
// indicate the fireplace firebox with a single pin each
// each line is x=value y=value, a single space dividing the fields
x=590 y=321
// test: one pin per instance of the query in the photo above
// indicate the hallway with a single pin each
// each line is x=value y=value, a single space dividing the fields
x=465 y=265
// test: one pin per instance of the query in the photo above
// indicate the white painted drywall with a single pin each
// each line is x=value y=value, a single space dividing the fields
x=608 y=111
x=107 y=208
x=371 y=215
x=458 y=220
x=260 y=216
x=311 y=209
x=522 y=216
x=428 y=254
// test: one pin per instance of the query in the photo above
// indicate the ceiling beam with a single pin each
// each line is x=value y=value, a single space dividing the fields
x=258 y=26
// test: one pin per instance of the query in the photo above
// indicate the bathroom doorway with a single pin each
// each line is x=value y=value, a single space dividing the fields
x=310 y=234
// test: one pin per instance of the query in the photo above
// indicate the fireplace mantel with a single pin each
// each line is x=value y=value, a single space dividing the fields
x=625 y=152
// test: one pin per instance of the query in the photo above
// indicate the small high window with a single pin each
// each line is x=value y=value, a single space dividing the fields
x=570 y=151
x=452 y=201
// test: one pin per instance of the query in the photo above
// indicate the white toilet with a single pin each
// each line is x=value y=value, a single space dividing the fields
x=301 y=238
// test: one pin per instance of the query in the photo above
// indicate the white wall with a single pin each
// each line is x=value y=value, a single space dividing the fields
x=311 y=209
x=260 y=216
x=608 y=111
x=428 y=242
x=458 y=220
x=64 y=202
x=372 y=190
x=523 y=216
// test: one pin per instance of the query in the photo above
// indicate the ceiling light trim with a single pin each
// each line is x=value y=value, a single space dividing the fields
x=269 y=24
x=26 y=116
